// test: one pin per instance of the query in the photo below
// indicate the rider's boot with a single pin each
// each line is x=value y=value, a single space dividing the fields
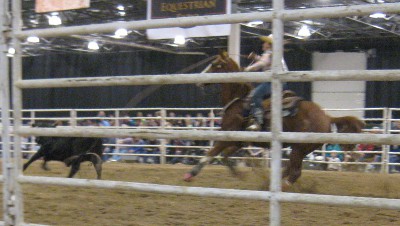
x=257 y=120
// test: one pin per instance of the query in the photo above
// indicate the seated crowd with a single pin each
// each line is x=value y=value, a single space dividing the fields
x=146 y=150
x=189 y=151
x=368 y=155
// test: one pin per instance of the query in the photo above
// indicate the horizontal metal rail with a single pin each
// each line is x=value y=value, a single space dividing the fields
x=295 y=76
x=287 y=15
x=286 y=137
x=218 y=192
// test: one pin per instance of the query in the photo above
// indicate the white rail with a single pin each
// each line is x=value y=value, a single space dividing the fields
x=217 y=192
x=13 y=212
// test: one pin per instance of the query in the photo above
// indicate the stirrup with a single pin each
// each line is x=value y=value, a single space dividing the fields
x=254 y=127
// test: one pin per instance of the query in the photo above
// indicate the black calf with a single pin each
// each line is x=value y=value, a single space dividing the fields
x=70 y=150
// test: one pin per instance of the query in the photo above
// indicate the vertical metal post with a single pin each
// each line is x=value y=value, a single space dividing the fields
x=117 y=116
x=17 y=107
x=74 y=116
x=385 y=158
x=8 y=204
x=234 y=37
x=276 y=120
x=212 y=124
x=163 y=142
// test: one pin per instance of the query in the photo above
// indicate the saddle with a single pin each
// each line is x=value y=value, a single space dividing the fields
x=290 y=103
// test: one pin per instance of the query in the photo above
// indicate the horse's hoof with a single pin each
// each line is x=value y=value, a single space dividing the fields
x=286 y=185
x=188 y=177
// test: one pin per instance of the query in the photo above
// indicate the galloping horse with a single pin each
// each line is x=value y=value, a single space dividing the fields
x=309 y=117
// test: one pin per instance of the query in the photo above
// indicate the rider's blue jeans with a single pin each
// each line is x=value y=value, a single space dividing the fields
x=260 y=92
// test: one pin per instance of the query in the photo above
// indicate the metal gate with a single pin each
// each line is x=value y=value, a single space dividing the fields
x=12 y=174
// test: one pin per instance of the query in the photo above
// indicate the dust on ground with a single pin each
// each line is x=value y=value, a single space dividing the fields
x=67 y=205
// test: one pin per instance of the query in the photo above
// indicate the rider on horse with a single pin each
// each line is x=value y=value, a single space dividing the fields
x=262 y=63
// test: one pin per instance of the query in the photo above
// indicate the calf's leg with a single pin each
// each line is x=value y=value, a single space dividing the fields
x=35 y=157
x=74 y=168
x=96 y=161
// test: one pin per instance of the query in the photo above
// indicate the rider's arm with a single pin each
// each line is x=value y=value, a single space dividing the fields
x=262 y=62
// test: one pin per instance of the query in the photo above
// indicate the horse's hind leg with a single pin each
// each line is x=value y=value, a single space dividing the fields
x=293 y=170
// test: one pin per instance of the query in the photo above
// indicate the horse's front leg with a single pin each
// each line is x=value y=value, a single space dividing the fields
x=216 y=150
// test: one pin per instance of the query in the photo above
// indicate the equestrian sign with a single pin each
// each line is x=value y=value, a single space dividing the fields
x=161 y=9
x=42 y=6
x=177 y=8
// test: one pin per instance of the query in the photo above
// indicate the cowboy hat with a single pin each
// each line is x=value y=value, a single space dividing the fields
x=266 y=39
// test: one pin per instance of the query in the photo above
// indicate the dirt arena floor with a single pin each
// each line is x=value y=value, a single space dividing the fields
x=56 y=205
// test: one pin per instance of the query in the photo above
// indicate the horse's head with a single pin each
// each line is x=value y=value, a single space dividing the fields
x=222 y=63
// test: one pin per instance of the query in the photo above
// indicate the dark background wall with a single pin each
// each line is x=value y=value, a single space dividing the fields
x=156 y=63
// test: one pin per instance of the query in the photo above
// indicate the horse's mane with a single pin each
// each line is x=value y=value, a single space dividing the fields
x=230 y=91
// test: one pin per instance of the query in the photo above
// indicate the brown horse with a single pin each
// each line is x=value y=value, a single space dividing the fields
x=309 y=117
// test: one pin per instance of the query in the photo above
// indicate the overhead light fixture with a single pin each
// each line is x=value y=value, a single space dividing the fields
x=10 y=52
x=378 y=15
x=254 y=23
x=33 y=39
x=54 y=19
x=179 y=40
x=120 y=33
x=304 y=31
x=120 y=7
x=93 y=45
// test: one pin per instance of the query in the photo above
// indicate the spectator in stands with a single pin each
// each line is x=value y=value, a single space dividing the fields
x=394 y=158
x=139 y=149
x=102 y=120
x=158 y=115
x=200 y=120
x=175 y=151
x=150 y=121
x=140 y=121
x=109 y=149
x=171 y=120
x=334 y=148
x=371 y=157
x=153 y=150
x=126 y=120
x=333 y=164
x=188 y=122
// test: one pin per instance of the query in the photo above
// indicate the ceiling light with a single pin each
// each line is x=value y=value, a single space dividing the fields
x=11 y=52
x=179 y=40
x=121 y=7
x=304 y=31
x=120 y=33
x=54 y=19
x=33 y=39
x=307 y=21
x=254 y=23
x=93 y=45
x=378 y=15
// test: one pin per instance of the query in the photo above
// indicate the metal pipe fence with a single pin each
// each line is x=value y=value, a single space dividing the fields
x=13 y=209
x=123 y=152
